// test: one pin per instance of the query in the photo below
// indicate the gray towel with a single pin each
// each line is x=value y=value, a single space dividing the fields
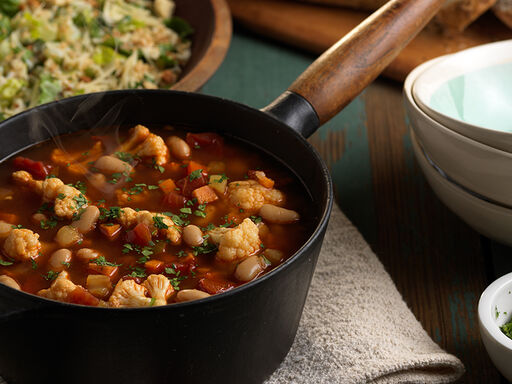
x=356 y=328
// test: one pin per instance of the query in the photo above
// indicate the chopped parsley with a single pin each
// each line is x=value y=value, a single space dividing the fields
x=45 y=207
x=186 y=210
x=195 y=174
x=138 y=272
x=80 y=200
x=152 y=302
x=34 y=264
x=205 y=248
x=176 y=279
x=102 y=262
x=66 y=264
x=5 y=263
x=19 y=226
x=126 y=157
x=61 y=196
x=110 y=214
x=199 y=213
x=159 y=222
x=256 y=219
x=80 y=185
x=50 y=275
x=48 y=224
x=115 y=178
x=221 y=178
x=227 y=224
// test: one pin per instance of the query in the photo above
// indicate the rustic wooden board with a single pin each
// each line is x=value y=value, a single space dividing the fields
x=315 y=28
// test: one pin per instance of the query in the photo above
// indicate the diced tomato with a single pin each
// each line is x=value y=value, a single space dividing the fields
x=215 y=285
x=82 y=296
x=106 y=270
x=174 y=200
x=209 y=140
x=37 y=169
x=154 y=266
x=183 y=267
x=187 y=186
x=140 y=235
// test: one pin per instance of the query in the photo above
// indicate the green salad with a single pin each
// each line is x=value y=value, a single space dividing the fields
x=50 y=49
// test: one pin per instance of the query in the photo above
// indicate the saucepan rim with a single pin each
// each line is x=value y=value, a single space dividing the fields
x=317 y=232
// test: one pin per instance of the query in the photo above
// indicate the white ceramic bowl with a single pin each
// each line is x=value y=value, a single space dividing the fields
x=491 y=220
x=494 y=310
x=470 y=92
x=482 y=169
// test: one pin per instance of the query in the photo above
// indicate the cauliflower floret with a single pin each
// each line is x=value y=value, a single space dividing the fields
x=154 y=146
x=146 y=144
x=128 y=293
x=65 y=197
x=240 y=242
x=216 y=234
x=138 y=135
x=66 y=204
x=22 y=244
x=129 y=218
x=60 y=288
x=251 y=195
x=25 y=179
x=159 y=288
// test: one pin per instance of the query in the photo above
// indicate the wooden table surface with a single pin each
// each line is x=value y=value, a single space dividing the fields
x=439 y=264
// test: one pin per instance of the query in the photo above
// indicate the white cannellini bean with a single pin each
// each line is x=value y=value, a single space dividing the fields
x=111 y=164
x=68 y=236
x=99 y=285
x=9 y=281
x=179 y=147
x=278 y=215
x=87 y=254
x=5 y=229
x=273 y=255
x=190 y=294
x=87 y=220
x=250 y=268
x=58 y=259
x=193 y=236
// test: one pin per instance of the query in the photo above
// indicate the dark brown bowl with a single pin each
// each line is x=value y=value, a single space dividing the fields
x=211 y=21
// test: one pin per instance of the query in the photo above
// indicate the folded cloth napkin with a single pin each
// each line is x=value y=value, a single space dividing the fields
x=356 y=328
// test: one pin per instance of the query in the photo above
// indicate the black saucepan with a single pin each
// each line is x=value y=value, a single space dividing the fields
x=236 y=337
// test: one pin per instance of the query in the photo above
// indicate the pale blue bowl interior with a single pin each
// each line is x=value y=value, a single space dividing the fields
x=482 y=98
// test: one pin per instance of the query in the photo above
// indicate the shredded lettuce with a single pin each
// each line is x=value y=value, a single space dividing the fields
x=49 y=88
x=9 y=89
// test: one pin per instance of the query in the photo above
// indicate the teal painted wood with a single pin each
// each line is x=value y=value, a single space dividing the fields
x=256 y=71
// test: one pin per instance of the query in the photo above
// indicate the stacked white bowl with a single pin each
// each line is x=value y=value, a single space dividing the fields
x=460 y=112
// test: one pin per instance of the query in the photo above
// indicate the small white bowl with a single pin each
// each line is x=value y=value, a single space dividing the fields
x=470 y=92
x=494 y=310
x=480 y=168
x=491 y=220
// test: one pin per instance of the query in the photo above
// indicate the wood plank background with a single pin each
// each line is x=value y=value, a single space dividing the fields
x=438 y=263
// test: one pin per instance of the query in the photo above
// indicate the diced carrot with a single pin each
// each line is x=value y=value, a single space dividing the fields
x=194 y=166
x=215 y=285
x=154 y=266
x=142 y=234
x=11 y=218
x=167 y=185
x=110 y=231
x=205 y=194
x=82 y=296
x=106 y=270
x=261 y=178
x=173 y=167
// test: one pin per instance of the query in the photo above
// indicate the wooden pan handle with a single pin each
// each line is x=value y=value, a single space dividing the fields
x=345 y=69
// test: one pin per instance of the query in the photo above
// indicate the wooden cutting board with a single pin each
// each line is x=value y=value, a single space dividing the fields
x=316 y=27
